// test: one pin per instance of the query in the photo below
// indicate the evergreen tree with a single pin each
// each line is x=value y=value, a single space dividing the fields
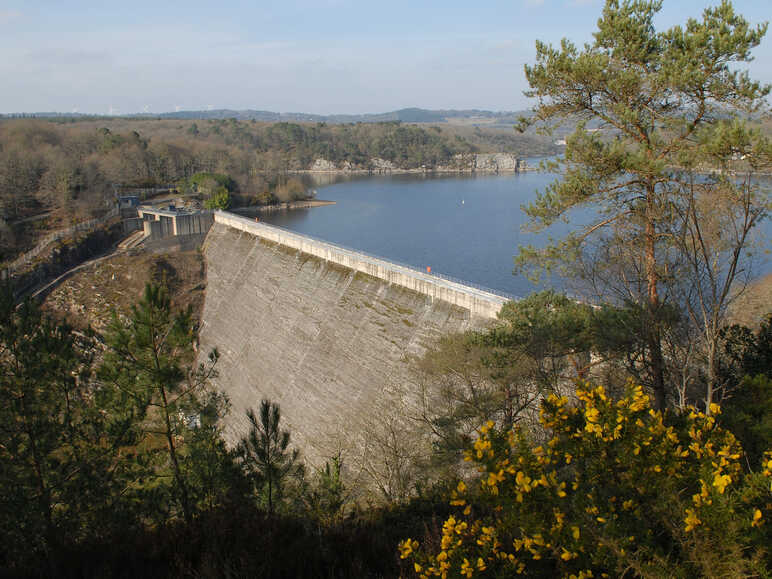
x=59 y=437
x=746 y=362
x=149 y=362
x=664 y=105
x=325 y=501
x=265 y=454
x=211 y=468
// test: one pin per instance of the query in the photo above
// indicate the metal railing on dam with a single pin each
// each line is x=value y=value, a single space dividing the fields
x=479 y=301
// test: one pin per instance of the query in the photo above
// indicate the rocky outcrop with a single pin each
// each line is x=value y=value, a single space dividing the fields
x=496 y=162
x=484 y=163
x=460 y=163
x=382 y=165
x=323 y=165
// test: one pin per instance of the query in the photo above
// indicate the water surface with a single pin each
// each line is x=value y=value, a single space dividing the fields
x=464 y=227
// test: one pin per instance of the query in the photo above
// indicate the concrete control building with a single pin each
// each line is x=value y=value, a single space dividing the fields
x=172 y=222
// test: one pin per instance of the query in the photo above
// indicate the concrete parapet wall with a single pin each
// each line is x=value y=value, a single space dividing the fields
x=479 y=303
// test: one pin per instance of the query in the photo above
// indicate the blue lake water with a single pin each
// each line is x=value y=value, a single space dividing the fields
x=465 y=227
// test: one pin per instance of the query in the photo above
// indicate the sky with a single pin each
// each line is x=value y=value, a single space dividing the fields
x=320 y=56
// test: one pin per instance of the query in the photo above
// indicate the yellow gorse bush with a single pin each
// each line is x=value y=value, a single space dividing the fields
x=617 y=487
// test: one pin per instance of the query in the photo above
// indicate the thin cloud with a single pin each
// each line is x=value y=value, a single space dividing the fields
x=9 y=16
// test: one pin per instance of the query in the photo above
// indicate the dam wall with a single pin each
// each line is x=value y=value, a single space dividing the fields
x=479 y=302
x=326 y=333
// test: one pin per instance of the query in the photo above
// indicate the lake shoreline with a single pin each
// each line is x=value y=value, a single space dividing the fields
x=419 y=171
x=286 y=206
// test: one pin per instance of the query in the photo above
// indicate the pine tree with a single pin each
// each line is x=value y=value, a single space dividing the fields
x=59 y=437
x=150 y=361
x=663 y=107
x=265 y=454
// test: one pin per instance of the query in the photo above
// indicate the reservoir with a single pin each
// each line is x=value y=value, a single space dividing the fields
x=463 y=227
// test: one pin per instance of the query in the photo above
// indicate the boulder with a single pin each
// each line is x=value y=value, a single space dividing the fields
x=323 y=165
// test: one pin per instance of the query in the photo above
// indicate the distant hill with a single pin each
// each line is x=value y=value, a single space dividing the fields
x=409 y=115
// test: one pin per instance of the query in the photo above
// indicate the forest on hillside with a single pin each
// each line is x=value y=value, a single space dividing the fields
x=59 y=171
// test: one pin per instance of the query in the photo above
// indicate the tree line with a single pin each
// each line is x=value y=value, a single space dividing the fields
x=69 y=172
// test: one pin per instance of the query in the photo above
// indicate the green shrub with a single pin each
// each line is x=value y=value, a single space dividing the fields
x=220 y=200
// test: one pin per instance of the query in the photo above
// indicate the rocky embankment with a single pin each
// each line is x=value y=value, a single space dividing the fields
x=460 y=163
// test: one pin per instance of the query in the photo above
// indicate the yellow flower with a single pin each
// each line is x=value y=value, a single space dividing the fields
x=466 y=568
x=756 y=518
x=721 y=481
x=481 y=564
x=575 y=532
x=446 y=542
x=559 y=518
x=481 y=445
x=523 y=482
x=406 y=547
x=495 y=478
x=691 y=520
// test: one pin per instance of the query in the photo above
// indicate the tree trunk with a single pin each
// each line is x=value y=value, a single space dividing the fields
x=270 y=496
x=178 y=478
x=653 y=337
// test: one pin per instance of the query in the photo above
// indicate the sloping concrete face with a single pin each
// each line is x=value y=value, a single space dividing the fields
x=326 y=342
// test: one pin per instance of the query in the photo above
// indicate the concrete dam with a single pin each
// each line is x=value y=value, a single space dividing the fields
x=323 y=331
